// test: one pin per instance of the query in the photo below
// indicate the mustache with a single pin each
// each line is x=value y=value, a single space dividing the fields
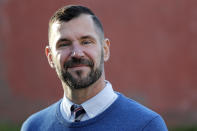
x=78 y=61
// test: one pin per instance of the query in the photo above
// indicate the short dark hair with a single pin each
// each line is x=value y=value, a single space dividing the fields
x=70 y=12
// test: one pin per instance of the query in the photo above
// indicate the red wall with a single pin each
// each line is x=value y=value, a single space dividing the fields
x=153 y=55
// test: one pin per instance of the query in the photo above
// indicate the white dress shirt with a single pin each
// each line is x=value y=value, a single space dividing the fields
x=93 y=106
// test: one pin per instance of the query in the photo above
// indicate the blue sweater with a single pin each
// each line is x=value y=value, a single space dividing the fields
x=123 y=115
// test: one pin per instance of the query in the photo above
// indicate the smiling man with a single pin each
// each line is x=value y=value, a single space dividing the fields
x=77 y=51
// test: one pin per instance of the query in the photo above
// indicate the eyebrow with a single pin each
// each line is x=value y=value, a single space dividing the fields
x=83 y=37
x=87 y=37
x=62 y=40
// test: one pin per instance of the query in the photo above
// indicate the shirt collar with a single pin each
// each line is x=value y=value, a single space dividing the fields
x=96 y=104
x=93 y=106
x=66 y=105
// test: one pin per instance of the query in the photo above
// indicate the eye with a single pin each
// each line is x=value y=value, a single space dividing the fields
x=63 y=44
x=86 y=42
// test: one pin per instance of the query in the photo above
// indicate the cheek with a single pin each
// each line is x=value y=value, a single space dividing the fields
x=97 y=57
x=61 y=57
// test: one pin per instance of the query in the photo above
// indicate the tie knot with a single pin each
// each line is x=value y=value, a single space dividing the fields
x=76 y=108
x=78 y=112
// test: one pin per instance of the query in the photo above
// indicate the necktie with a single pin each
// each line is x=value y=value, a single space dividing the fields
x=78 y=112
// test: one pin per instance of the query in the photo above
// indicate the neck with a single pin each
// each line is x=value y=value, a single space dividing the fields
x=78 y=96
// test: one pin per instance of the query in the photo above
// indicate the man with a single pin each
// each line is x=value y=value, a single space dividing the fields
x=77 y=51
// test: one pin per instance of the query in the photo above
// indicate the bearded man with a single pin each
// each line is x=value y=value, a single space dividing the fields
x=77 y=51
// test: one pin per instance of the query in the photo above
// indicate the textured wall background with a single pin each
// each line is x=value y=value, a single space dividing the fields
x=153 y=55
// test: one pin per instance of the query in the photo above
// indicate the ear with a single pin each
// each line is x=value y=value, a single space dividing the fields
x=49 y=56
x=106 y=47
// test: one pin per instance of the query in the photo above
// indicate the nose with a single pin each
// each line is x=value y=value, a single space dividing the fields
x=77 y=51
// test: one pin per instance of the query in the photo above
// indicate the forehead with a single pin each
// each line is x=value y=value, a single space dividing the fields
x=74 y=29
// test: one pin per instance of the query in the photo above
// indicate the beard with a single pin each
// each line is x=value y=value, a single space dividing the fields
x=81 y=82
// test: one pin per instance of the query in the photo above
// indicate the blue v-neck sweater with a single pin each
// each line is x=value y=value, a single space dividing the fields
x=123 y=115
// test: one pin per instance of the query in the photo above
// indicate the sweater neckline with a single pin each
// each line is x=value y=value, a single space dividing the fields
x=66 y=123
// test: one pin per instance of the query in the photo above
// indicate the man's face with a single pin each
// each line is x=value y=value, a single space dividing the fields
x=77 y=52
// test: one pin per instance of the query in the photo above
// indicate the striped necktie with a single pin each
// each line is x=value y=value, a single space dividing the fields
x=78 y=112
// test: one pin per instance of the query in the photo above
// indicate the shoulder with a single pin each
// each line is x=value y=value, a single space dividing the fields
x=133 y=107
x=137 y=113
x=38 y=119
